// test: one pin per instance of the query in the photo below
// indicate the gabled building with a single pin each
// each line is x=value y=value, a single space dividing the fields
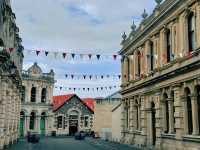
x=72 y=114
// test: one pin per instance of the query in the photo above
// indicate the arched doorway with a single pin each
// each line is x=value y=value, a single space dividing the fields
x=73 y=122
x=153 y=121
x=32 y=121
x=22 y=121
x=43 y=123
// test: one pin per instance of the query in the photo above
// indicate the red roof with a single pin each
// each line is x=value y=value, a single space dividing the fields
x=59 y=101
x=89 y=102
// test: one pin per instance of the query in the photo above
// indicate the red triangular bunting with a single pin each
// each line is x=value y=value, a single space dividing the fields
x=64 y=55
x=46 y=53
x=37 y=52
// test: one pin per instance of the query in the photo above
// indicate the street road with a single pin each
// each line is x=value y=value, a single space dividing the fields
x=69 y=144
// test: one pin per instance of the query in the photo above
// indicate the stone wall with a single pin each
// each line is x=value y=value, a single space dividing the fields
x=160 y=84
x=10 y=76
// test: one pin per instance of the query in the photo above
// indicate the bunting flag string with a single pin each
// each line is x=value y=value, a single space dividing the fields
x=99 y=88
x=92 y=76
x=64 y=54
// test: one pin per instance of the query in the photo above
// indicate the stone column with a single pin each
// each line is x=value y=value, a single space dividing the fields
x=147 y=50
x=131 y=114
x=122 y=70
x=195 y=114
x=178 y=114
x=37 y=123
x=163 y=47
x=185 y=33
x=131 y=67
x=126 y=69
x=38 y=94
x=184 y=101
x=171 y=115
x=27 y=123
x=164 y=120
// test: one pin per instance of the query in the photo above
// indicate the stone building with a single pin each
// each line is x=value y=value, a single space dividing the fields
x=36 y=102
x=72 y=114
x=161 y=78
x=103 y=115
x=11 y=58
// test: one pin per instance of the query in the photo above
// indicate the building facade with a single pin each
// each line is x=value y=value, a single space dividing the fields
x=11 y=58
x=161 y=78
x=116 y=123
x=36 y=101
x=103 y=115
x=72 y=114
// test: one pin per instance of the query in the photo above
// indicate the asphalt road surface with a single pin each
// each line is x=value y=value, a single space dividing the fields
x=66 y=143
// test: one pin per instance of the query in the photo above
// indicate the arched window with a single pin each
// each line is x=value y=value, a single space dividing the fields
x=23 y=93
x=32 y=121
x=138 y=63
x=189 y=111
x=33 y=94
x=43 y=95
x=151 y=56
x=169 y=47
x=173 y=111
x=191 y=31
x=153 y=121
x=137 y=108
x=60 y=122
x=166 y=113
x=137 y=115
x=198 y=102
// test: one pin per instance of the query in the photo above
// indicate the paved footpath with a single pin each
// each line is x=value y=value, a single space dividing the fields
x=69 y=144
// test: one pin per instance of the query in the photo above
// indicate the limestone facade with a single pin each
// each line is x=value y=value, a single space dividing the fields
x=10 y=75
x=161 y=78
x=36 y=102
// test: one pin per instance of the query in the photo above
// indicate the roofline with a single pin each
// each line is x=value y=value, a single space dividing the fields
x=74 y=95
x=116 y=107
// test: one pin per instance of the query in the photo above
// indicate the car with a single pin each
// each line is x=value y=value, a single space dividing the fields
x=33 y=137
x=79 y=135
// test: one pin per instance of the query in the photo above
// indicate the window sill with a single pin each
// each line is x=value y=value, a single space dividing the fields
x=193 y=138
x=168 y=135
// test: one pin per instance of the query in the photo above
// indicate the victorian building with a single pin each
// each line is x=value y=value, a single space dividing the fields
x=161 y=78
x=72 y=114
x=36 y=101
x=11 y=58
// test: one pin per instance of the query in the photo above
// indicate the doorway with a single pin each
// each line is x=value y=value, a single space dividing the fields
x=22 y=120
x=73 y=127
x=43 y=123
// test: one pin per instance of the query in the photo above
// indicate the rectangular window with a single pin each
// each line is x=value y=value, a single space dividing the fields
x=86 y=121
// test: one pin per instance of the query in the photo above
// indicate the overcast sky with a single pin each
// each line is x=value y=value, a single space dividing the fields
x=77 y=26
